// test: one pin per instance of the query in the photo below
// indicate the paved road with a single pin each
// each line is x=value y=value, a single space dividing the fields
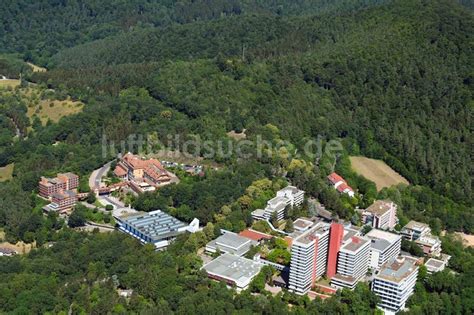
x=111 y=200
x=96 y=176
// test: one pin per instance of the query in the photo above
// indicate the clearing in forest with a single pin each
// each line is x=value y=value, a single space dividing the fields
x=36 y=68
x=9 y=83
x=377 y=171
x=54 y=109
x=6 y=172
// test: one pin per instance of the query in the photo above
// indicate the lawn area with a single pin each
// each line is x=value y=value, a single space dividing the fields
x=7 y=83
x=44 y=110
x=36 y=68
x=377 y=171
x=6 y=172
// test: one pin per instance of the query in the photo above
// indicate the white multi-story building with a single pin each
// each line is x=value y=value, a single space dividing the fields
x=395 y=283
x=352 y=262
x=288 y=196
x=430 y=244
x=382 y=214
x=309 y=254
x=293 y=194
x=414 y=230
x=383 y=247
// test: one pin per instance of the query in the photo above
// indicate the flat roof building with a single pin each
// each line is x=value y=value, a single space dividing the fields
x=155 y=227
x=382 y=214
x=230 y=243
x=61 y=201
x=413 y=230
x=435 y=265
x=232 y=269
x=302 y=225
x=395 y=283
x=352 y=262
x=63 y=181
x=430 y=244
x=309 y=252
x=255 y=235
x=288 y=196
x=383 y=247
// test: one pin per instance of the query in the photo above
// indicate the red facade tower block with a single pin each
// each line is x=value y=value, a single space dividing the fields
x=335 y=240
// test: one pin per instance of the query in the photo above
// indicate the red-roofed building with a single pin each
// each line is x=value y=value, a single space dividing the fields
x=340 y=184
x=63 y=181
x=146 y=174
x=255 y=235
x=335 y=178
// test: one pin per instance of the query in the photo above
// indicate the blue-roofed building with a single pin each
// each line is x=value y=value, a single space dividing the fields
x=155 y=227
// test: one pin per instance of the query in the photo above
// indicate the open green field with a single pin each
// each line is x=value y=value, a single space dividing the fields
x=6 y=172
x=377 y=171
x=44 y=110
x=36 y=68
x=9 y=83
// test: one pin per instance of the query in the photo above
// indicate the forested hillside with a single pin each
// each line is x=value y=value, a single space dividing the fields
x=339 y=75
x=40 y=28
x=388 y=79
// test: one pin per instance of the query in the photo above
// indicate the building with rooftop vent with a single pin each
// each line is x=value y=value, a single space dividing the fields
x=382 y=214
x=352 y=262
x=288 y=196
x=309 y=252
x=395 y=283
x=231 y=243
x=155 y=227
x=232 y=269
x=414 y=230
x=383 y=247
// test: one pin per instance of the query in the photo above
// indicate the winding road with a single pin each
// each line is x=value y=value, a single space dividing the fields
x=96 y=176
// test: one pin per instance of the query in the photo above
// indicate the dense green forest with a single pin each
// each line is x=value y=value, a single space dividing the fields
x=29 y=30
x=408 y=104
x=391 y=80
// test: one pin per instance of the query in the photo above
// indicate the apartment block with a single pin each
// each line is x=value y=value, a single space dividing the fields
x=352 y=262
x=383 y=247
x=293 y=194
x=288 y=196
x=414 y=230
x=71 y=179
x=309 y=254
x=430 y=244
x=63 y=181
x=382 y=214
x=395 y=283
x=61 y=201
